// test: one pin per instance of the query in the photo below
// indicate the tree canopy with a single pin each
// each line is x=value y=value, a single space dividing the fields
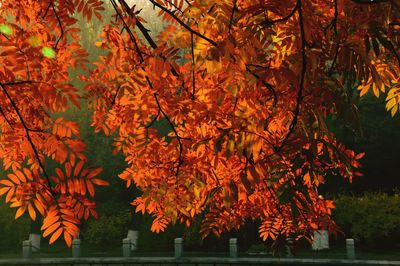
x=244 y=87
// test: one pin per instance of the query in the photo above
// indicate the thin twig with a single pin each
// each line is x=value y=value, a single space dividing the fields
x=267 y=85
x=302 y=77
x=179 y=160
x=283 y=19
x=233 y=12
x=182 y=23
x=193 y=68
x=59 y=23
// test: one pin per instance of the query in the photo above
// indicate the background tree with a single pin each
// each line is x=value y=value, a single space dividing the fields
x=244 y=87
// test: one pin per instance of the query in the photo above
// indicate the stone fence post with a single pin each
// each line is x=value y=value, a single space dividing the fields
x=351 y=253
x=26 y=249
x=126 y=247
x=233 y=247
x=76 y=248
x=178 y=247
x=289 y=248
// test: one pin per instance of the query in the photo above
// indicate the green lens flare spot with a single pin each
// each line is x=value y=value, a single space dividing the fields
x=48 y=52
x=5 y=29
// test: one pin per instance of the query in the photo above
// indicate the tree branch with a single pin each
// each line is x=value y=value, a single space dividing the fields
x=59 y=23
x=333 y=24
x=35 y=151
x=132 y=37
x=233 y=12
x=370 y=2
x=283 y=19
x=267 y=85
x=179 y=138
x=146 y=34
x=302 y=77
x=183 y=24
x=193 y=65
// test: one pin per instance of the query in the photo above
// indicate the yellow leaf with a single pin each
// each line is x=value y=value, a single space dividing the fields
x=375 y=90
x=394 y=110
x=392 y=102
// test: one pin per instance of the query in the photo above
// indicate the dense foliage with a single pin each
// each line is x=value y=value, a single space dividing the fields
x=244 y=88
x=372 y=219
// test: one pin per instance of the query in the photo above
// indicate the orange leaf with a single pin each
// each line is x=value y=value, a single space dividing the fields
x=67 y=238
x=94 y=172
x=100 y=182
x=68 y=169
x=49 y=221
x=51 y=229
x=32 y=212
x=56 y=235
x=14 y=178
x=7 y=182
x=4 y=190
x=78 y=168
x=39 y=206
x=20 y=175
x=90 y=188
x=10 y=194
x=28 y=173
x=60 y=173
x=20 y=211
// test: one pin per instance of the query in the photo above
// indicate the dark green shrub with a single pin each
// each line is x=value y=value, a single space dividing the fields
x=111 y=226
x=373 y=219
x=161 y=242
x=107 y=230
x=12 y=231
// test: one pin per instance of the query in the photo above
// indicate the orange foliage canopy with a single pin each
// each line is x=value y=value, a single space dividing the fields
x=244 y=86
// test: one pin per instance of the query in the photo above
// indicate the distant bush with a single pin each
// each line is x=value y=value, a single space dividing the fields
x=373 y=219
x=12 y=231
x=162 y=242
x=111 y=226
x=107 y=230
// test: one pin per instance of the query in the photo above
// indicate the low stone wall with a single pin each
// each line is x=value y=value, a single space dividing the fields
x=190 y=261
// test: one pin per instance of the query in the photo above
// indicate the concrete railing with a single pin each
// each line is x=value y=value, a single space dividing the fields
x=192 y=261
x=179 y=252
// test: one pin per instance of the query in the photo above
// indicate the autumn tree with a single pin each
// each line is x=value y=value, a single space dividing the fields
x=244 y=86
